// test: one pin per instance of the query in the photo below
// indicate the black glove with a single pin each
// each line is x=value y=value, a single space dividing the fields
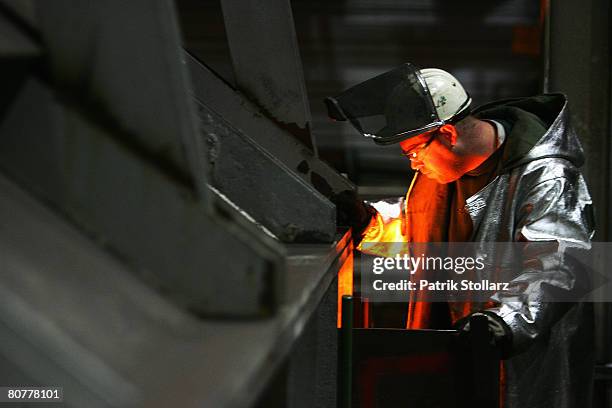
x=499 y=332
x=352 y=211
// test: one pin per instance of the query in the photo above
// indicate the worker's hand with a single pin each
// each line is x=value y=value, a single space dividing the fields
x=352 y=211
x=500 y=333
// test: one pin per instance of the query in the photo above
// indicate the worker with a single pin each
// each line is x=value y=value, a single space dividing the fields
x=506 y=171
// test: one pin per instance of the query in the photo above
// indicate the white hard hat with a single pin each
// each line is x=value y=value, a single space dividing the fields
x=447 y=93
x=401 y=103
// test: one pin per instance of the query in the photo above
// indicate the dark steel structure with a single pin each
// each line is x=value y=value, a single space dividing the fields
x=168 y=232
x=150 y=222
x=382 y=368
x=578 y=64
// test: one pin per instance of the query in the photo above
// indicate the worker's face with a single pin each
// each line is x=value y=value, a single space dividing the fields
x=436 y=156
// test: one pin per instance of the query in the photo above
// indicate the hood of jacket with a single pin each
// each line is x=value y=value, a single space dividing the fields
x=539 y=129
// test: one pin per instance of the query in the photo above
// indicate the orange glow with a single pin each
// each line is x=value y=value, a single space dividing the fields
x=384 y=239
x=388 y=238
x=366 y=312
x=526 y=40
x=345 y=281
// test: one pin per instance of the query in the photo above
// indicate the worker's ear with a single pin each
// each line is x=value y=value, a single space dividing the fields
x=449 y=132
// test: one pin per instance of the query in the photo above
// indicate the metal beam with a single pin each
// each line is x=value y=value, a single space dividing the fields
x=579 y=65
x=257 y=182
x=13 y=43
x=19 y=53
x=133 y=207
x=24 y=9
x=266 y=61
x=247 y=118
x=73 y=315
x=124 y=60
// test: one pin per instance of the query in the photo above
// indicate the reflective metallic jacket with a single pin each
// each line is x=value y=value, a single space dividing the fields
x=539 y=196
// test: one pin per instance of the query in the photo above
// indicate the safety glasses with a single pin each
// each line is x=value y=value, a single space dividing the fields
x=413 y=152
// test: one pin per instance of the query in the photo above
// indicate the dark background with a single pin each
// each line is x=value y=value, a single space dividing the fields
x=493 y=48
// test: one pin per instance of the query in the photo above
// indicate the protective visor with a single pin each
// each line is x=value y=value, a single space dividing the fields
x=391 y=107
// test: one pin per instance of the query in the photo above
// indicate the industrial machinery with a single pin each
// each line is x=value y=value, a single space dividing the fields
x=169 y=238
x=164 y=241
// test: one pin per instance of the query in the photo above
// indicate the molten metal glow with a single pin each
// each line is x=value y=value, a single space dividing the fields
x=345 y=281
x=386 y=238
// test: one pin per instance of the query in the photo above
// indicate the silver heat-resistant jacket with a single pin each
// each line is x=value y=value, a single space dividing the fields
x=543 y=197
x=540 y=196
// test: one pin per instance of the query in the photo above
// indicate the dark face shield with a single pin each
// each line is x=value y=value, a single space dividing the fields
x=388 y=108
